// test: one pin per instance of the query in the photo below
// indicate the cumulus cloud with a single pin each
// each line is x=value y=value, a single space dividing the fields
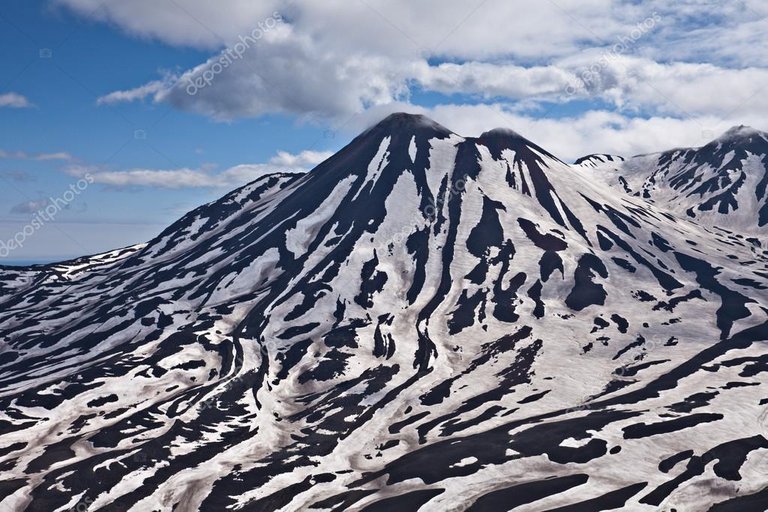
x=14 y=100
x=196 y=23
x=333 y=59
x=592 y=132
x=66 y=157
x=204 y=177
x=683 y=89
x=655 y=65
x=177 y=178
x=728 y=33
x=283 y=73
x=384 y=27
x=494 y=80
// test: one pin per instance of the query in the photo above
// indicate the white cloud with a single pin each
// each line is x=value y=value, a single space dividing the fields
x=574 y=136
x=729 y=33
x=592 y=132
x=283 y=73
x=196 y=23
x=333 y=59
x=698 y=64
x=491 y=80
x=66 y=157
x=382 y=27
x=21 y=155
x=304 y=159
x=316 y=70
x=683 y=89
x=205 y=177
x=14 y=100
x=160 y=178
x=138 y=93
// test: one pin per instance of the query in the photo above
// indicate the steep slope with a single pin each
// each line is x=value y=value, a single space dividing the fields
x=599 y=161
x=423 y=319
x=724 y=183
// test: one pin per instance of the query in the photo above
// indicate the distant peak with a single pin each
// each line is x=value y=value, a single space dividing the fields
x=499 y=139
x=402 y=121
x=599 y=158
x=740 y=132
x=501 y=132
x=504 y=137
x=405 y=117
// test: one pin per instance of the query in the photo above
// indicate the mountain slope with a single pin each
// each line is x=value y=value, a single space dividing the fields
x=724 y=183
x=423 y=320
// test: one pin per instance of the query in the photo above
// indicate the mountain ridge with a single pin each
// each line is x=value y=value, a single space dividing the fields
x=417 y=322
x=723 y=183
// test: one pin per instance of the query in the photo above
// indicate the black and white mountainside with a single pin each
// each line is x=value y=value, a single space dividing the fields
x=423 y=322
x=724 y=183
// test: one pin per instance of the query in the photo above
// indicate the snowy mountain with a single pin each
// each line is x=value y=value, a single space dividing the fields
x=599 y=161
x=723 y=184
x=423 y=322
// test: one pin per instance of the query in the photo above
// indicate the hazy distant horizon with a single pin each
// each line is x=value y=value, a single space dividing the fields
x=27 y=263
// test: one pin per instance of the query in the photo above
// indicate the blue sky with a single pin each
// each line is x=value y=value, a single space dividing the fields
x=62 y=64
x=100 y=88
